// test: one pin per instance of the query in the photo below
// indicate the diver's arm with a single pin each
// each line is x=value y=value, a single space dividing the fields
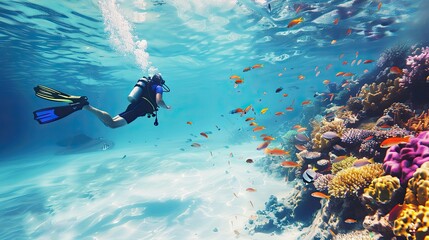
x=161 y=102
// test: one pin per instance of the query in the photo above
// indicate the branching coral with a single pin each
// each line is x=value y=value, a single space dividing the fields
x=377 y=97
x=382 y=188
x=419 y=123
x=319 y=128
x=344 y=164
x=321 y=183
x=352 y=181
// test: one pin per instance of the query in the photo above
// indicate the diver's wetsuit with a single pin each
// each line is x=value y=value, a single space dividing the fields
x=146 y=104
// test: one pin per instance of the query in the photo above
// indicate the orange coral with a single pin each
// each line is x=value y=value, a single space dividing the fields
x=419 y=123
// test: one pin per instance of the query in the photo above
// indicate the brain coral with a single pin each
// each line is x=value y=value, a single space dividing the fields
x=414 y=219
x=351 y=181
x=403 y=161
x=382 y=188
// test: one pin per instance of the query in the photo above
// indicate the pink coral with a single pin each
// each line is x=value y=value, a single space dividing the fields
x=418 y=67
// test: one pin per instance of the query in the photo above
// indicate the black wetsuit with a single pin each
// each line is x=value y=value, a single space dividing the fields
x=146 y=104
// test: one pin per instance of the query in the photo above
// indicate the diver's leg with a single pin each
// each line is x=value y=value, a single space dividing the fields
x=105 y=117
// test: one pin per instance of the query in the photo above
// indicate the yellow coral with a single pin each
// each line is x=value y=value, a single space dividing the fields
x=413 y=222
x=346 y=163
x=319 y=128
x=377 y=97
x=382 y=188
x=350 y=181
x=419 y=123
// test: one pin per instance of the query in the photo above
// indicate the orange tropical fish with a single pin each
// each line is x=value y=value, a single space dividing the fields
x=298 y=9
x=368 y=61
x=268 y=138
x=350 y=220
x=357 y=54
x=345 y=62
x=246 y=69
x=301 y=77
x=336 y=21
x=297 y=126
x=263 y=145
x=239 y=81
x=250 y=189
x=394 y=141
x=204 y=134
x=195 y=145
x=264 y=110
x=328 y=66
x=280 y=74
x=302 y=129
x=234 y=77
x=189 y=123
x=247 y=109
x=289 y=109
x=319 y=195
x=253 y=124
x=257 y=66
x=339 y=74
x=379 y=6
x=289 y=164
x=285 y=95
x=279 y=113
x=348 y=74
x=360 y=60
x=237 y=110
x=333 y=42
x=332 y=233
x=365 y=71
x=250 y=119
x=326 y=82
x=396 y=70
x=349 y=31
x=295 y=22
x=276 y=152
x=341 y=56
x=259 y=128
x=306 y=102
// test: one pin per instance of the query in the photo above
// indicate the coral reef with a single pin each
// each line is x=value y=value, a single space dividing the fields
x=382 y=188
x=414 y=219
x=322 y=182
x=377 y=97
x=358 y=234
x=393 y=56
x=378 y=223
x=419 y=123
x=272 y=219
x=319 y=128
x=400 y=114
x=402 y=162
x=344 y=164
x=417 y=67
x=352 y=181
x=355 y=136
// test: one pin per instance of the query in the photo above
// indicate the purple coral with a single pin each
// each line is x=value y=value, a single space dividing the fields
x=402 y=162
x=418 y=67
x=355 y=136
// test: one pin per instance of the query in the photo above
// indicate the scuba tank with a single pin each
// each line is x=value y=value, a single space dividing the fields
x=137 y=91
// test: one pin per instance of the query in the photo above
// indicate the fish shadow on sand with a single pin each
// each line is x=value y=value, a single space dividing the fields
x=82 y=143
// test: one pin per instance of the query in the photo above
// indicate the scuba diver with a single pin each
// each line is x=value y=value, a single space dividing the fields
x=145 y=99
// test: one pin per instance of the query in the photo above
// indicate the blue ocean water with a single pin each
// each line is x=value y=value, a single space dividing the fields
x=147 y=182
